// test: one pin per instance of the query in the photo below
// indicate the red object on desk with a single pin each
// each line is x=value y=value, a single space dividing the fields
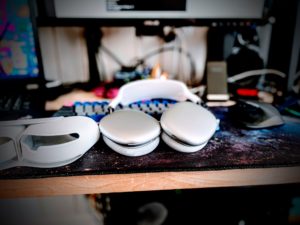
x=112 y=93
x=99 y=91
x=106 y=92
x=247 y=92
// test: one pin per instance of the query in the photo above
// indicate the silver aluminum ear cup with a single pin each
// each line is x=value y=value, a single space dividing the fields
x=181 y=147
x=132 y=151
x=130 y=129
x=189 y=123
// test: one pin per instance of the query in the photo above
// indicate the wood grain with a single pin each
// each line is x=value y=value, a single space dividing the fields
x=147 y=182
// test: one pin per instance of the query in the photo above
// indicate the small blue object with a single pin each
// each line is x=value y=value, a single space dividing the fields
x=96 y=117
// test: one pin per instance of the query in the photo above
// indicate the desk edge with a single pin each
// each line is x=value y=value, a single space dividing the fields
x=111 y=183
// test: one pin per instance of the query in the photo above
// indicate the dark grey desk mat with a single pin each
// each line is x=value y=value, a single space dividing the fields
x=231 y=147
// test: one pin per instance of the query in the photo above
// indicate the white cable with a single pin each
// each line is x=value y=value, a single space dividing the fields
x=250 y=73
x=199 y=89
x=241 y=40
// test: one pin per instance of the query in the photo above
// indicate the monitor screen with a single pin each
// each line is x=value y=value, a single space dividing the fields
x=154 y=5
x=160 y=9
x=18 y=57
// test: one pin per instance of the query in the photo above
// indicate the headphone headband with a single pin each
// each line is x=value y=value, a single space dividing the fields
x=150 y=89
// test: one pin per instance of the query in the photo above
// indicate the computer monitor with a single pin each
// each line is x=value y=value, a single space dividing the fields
x=20 y=60
x=197 y=9
x=185 y=12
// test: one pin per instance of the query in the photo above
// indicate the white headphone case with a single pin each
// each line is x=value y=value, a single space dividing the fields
x=47 y=142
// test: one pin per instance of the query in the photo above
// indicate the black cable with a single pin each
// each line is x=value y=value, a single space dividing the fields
x=4 y=31
x=92 y=38
x=113 y=56
x=151 y=54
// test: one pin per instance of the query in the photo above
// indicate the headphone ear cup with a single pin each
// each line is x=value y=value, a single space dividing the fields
x=187 y=126
x=180 y=146
x=134 y=150
x=130 y=132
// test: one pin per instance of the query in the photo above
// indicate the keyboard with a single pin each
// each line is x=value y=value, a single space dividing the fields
x=97 y=110
x=15 y=106
x=13 y=103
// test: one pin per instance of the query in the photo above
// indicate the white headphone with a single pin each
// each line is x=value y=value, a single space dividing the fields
x=186 y=126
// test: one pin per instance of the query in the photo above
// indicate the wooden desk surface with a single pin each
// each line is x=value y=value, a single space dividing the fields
x=233 y=157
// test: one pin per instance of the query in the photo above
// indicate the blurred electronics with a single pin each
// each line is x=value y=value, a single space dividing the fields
x=268 y=89
x=245 y=54
x=255 y=114
x=46 y=142
x=251 y=44
x=21 y=74
x=217 y=81
x=150 y=18
x=136 y=72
